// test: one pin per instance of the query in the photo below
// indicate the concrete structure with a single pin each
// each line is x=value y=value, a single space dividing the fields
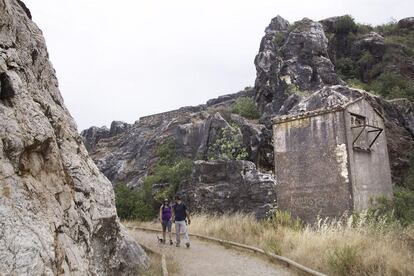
x=331 y=161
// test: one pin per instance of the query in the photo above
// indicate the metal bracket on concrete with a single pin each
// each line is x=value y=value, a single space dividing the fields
x=371 y=129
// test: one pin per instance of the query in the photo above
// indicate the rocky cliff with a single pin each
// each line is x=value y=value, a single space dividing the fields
x=57 y=211
x=296 y=73
x=229 y=186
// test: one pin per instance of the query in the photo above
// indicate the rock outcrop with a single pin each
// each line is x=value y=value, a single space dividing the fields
x=129 y=156
x=292 y=57
x=316 y=85
x=295 y=73
x=229 y=186
x=57 y=211
x=406 y=23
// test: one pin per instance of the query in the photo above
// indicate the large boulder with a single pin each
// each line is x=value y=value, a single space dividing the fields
x=92 y=136
x=292 y=57
x=129 y=156
x=406 y=23
x=57 y=210
x=229 y=186
x=295 y=73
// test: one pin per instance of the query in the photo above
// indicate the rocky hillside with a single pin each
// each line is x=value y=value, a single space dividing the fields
x=57 y=210
x=297 y=71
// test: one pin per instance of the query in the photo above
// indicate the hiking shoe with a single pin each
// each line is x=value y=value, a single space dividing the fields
x=171 y=242
x=187 y=244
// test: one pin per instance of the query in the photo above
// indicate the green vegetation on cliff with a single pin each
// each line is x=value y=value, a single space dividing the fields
x=378 y=59
x=169 y=172
x=246 y=107
x=228 y=145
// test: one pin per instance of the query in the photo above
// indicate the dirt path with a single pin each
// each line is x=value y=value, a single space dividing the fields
x=205 y=258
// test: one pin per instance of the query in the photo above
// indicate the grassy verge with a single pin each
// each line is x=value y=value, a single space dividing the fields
x=154 y=268
x=350 y=246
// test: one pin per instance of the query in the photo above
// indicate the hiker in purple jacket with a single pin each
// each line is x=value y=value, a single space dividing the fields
x=165 y=219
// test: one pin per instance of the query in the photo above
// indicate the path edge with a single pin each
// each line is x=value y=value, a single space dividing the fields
x=286 y=261
x=163 y=258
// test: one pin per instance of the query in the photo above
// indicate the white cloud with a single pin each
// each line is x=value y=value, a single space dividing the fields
x=119 y=60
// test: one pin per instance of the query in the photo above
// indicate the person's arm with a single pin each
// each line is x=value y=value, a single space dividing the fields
x=187 y=214
x=173 y=214
x=161 y=213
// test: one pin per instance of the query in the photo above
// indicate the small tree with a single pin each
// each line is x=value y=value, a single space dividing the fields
x=142 y=204
x=246 y=107
x=228 y=146
x=346 y=68
x=345 y=25
x=133 y=204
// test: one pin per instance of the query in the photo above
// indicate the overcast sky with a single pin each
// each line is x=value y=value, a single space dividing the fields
x=119 y=60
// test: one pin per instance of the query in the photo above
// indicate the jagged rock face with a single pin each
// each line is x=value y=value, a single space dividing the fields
x=406 y=23
x=299 y=55
x=294 y=55
x=129 y=156
x=229 y=186
x=92 y=135
x=295 y=74
x=57 y=213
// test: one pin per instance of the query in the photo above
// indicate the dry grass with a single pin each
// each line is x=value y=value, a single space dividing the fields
x=173 y=266
x=341 y=247
x=154 y=268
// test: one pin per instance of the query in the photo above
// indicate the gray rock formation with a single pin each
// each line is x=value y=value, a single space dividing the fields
x=295 y=73
x=304 y=45
x=57 y=213
x=128 y=157
x=406 y=23
x=93 y=135
x=229 y=186
x=292 y=56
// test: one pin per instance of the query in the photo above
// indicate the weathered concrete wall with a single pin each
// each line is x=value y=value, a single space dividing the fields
x=370 y=170
x=311 y=166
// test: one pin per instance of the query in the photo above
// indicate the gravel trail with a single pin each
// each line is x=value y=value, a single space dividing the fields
x=206 y=258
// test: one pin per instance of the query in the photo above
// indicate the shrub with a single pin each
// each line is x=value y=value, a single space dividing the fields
x=389 y=84
x=167 y=152
x=142 y=204
x=404 y=38
x=132 y=204
x=345 y=25
x=173 y=174
x=364 y=28
x=345 y=260
x=346 y=68
x=409 y=178
x=228 y=145
x=356 y=83
x=279 y=38
x=284 y=219
x=366 y=60
x=399 y=209
x=389 y=28
x=246 y=107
